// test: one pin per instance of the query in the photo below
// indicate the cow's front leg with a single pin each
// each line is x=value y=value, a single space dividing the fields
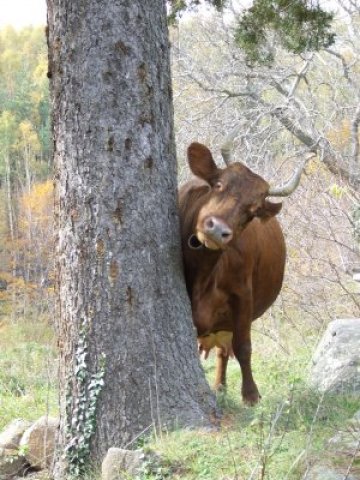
x=242 y=348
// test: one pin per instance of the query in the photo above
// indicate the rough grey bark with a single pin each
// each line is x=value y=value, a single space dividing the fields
x=127 y=345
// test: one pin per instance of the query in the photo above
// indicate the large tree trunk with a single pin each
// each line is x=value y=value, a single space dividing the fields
x=128 y=360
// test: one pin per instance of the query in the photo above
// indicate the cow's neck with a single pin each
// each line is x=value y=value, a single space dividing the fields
x=203 y=263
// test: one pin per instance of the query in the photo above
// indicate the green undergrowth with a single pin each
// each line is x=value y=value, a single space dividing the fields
x=27 y=369
x=275 y=440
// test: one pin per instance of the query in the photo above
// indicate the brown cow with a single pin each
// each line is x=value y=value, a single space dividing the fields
x=234 y=257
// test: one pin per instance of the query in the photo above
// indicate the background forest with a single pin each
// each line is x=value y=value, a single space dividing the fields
x=26 y=252
x=279 y=113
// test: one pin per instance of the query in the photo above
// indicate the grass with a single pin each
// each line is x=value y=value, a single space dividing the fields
x=276 y=440
x=27 y=370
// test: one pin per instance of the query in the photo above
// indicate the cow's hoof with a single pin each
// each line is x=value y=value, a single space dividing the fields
x=251 y=398
x=219 y=387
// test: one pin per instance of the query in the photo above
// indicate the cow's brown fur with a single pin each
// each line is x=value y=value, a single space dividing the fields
x=234 y=281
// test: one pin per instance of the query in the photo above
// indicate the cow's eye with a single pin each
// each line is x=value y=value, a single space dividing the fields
x=218 y=186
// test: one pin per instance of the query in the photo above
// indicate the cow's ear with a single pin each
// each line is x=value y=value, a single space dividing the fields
x=201 y=162
x=268 y=210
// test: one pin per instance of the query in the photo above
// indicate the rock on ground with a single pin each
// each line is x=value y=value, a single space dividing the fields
x=11 y=462
x=336 y=361
x=119 y=464
x=11 y=436
x=344 y=450
x=38 y=442
x=346 y=442
x=325 y=473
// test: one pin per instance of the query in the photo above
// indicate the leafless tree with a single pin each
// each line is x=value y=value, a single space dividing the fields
x=300 y=105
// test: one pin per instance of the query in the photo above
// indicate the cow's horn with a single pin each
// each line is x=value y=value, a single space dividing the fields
x=228 y=145
x=289 y=187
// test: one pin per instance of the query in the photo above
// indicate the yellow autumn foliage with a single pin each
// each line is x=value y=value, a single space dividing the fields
x=28 y=137
x=36 y=206
x=34 y=244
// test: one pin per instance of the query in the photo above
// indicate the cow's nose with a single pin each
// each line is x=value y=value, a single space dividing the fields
x=218 y=230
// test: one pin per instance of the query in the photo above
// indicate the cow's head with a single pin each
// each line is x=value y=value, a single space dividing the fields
x=237 y=195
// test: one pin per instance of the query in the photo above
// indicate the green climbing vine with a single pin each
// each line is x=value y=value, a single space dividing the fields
x=81 y=411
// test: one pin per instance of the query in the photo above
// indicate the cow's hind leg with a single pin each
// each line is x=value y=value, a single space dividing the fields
x=221 y=365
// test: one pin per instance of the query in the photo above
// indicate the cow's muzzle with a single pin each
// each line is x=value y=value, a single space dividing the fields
x=215 y=233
